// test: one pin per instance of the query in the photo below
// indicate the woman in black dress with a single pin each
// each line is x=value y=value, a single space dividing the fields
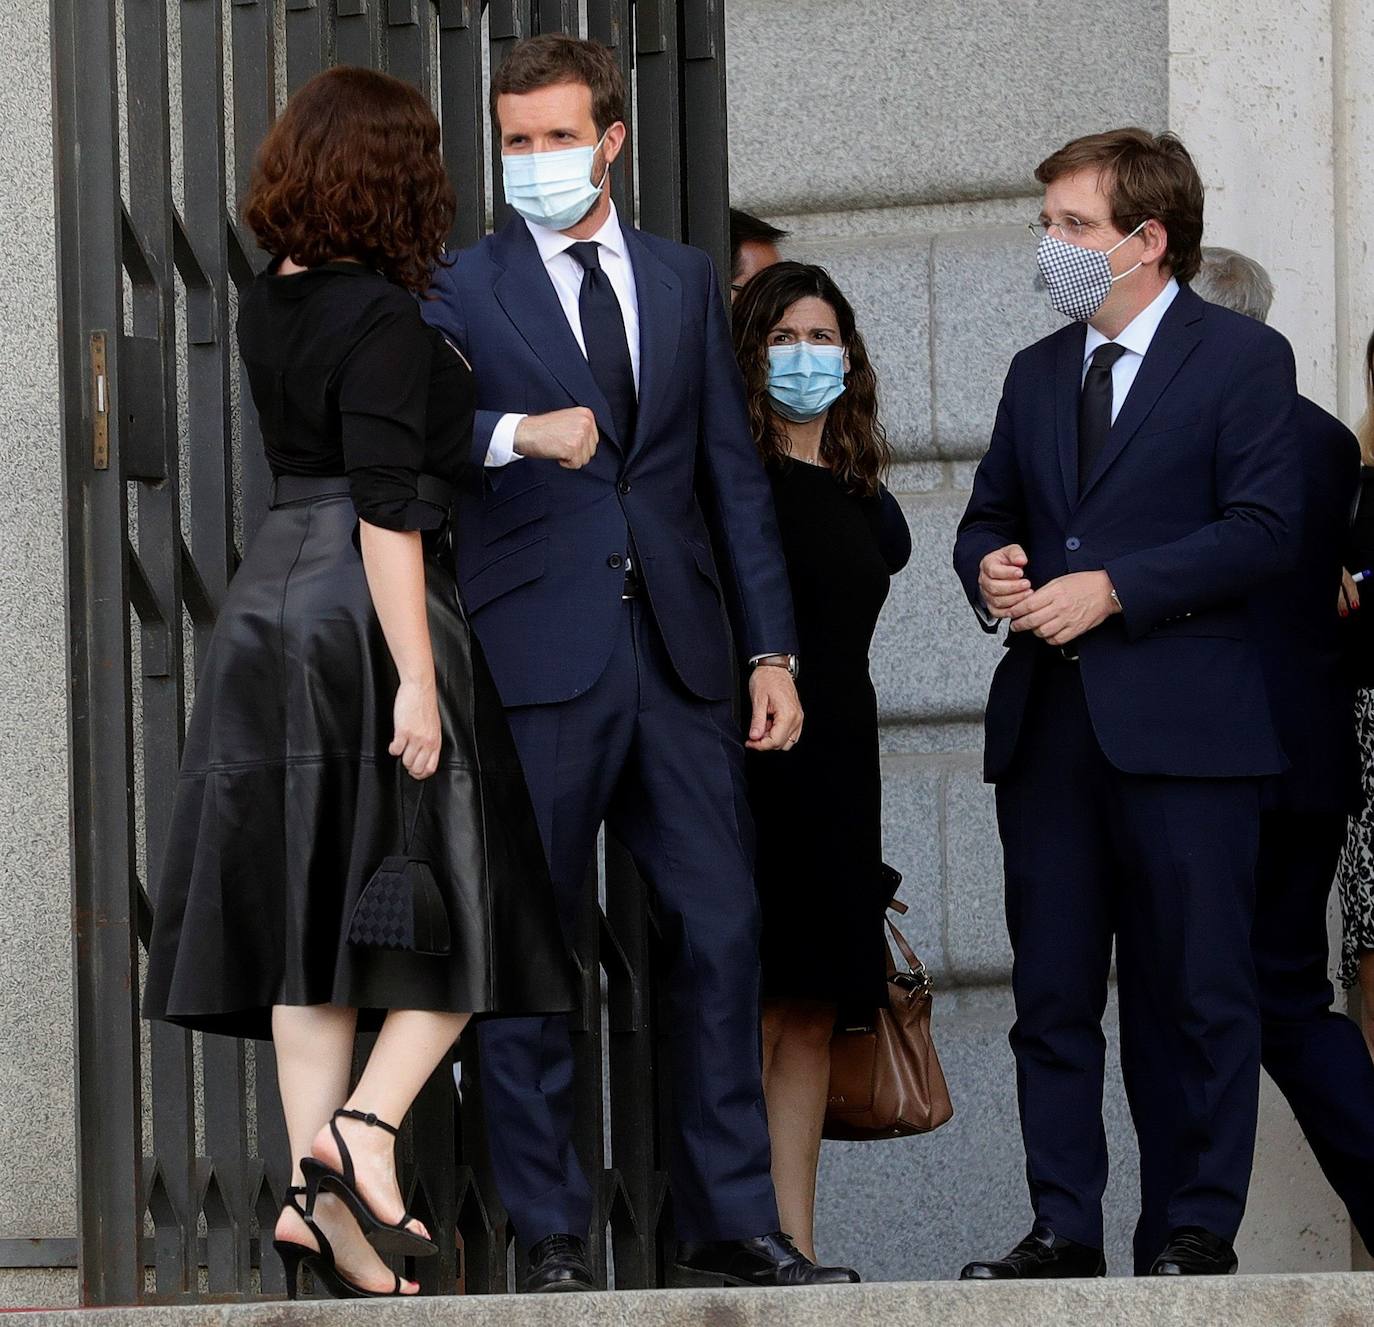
x=352 y=837
x=812 y=399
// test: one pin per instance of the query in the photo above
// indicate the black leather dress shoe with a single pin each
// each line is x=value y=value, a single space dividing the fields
x=1041 y=1256
x=770 y=1260
x=558 y=1264
x=1192 y=1251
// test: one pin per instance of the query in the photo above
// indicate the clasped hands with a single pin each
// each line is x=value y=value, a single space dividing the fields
x=1058 y=612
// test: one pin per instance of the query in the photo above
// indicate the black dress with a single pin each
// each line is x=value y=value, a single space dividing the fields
x=818 y=807
x=288 y=800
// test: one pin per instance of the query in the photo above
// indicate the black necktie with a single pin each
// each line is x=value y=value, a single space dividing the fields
x=1095 y=409
x=603 y=333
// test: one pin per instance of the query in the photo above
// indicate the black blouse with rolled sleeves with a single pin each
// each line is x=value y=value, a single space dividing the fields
x=348 y=379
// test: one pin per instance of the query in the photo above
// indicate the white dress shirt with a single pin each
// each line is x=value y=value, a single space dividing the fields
x=1136 y=338
x=566 y=273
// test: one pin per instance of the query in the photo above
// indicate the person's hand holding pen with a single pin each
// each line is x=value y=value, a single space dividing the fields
x=1349 y=598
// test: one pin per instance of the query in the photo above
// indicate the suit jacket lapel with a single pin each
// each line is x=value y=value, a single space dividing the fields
x=1174 y=340
x=660 y=325
x=1068 y=386
x=531 y=303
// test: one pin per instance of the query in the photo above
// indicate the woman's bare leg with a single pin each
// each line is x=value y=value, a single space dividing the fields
x=314 y=1045
x=409 y=1048
x=796 y=1086
x=1366 y=979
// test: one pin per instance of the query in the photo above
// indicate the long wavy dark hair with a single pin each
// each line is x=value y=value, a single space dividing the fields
x=853 y=444
x=353 y=169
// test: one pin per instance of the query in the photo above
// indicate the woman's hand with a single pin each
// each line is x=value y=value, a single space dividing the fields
x=1348 y=599
x=418 y=734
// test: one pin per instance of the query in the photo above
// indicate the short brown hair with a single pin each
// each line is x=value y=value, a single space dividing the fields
x=552 y=58
x=353 y=169
x=1148 y=177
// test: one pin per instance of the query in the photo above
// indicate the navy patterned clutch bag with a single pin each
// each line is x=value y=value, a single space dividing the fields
x=401 y=906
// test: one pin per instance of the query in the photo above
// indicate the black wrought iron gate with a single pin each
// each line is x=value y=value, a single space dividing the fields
x=159 y=107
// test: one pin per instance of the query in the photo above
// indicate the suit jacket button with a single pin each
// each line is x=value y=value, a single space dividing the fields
x=1073 y=543
x=615 y=562
x=624 y=486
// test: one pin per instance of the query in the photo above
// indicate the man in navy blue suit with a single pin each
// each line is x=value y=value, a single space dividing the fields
x=1142 y=484
x=1316 y=1056
x=614 y=445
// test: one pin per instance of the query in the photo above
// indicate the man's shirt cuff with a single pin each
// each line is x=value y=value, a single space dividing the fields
x=501 y=449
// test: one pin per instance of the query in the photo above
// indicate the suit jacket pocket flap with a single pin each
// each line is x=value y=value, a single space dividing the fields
x=505 y=573
x=509 y=513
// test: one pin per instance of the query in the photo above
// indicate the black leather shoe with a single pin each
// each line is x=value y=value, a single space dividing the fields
x=1041 y=1256
x=558 y=1264
x=1192 y=1251
x=770 y=1260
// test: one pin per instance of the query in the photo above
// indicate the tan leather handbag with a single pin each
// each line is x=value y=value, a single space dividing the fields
x=885 y=1079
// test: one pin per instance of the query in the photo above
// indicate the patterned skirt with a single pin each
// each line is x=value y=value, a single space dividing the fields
x=1355 y=872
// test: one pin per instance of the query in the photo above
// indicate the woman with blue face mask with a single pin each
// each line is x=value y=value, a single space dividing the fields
x=813 y=407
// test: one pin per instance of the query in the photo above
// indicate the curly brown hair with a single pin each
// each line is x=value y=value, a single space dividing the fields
x=353 y=169
x=854 y=443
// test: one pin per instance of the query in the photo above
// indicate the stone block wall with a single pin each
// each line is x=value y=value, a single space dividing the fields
x=37 y=1143
x=897 y=141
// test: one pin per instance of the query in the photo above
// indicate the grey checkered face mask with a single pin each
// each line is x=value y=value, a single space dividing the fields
x=1079 y=279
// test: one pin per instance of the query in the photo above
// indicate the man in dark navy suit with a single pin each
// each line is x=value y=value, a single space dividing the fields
x=614 y=446
x=1316 y=1056
x=1142 y=484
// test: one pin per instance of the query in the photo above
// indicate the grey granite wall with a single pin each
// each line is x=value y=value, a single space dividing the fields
x=897 y=140
x=37 y=1146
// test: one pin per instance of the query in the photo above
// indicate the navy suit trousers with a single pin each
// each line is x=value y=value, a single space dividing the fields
x=1165 y=865
x=1316 y=1057
x=665 y=771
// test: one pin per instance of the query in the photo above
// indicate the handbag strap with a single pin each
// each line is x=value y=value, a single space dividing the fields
x=916 y=978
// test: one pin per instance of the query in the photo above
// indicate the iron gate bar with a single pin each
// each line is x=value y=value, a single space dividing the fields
x=460 y=108
x=103 y=922
x=611 y=22
x=358 y=36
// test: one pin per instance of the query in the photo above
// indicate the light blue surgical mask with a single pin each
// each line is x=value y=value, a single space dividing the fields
x=553 y=189
x=804 y=380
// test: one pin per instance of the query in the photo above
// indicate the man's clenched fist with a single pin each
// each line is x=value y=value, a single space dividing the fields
x=566 y=436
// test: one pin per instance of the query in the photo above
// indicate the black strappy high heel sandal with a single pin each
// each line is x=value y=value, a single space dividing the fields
x=321 y=1261
x=382 y=1235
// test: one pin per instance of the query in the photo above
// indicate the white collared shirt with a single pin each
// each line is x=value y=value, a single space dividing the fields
x=566 y=273
x=1135 y=337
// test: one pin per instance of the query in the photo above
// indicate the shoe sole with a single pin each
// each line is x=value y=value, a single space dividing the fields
x=563 y=1288
x=693 y=1278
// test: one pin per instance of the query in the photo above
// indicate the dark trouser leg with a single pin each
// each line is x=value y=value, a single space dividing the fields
x=681 y=812
x=1316 y=1056
x=572 y=755
x=1058 y=867
x=1189 y=1011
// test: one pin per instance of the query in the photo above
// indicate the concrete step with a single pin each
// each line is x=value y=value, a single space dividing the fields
x=1332 y=1299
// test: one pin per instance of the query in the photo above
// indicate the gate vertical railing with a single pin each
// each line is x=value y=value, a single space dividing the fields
x=159 y=106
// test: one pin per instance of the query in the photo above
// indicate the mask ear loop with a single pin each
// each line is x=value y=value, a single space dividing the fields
x=1108 y=252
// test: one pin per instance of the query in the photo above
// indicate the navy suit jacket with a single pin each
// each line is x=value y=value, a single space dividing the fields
x=1301 y=636
x=539 y=547
x=1193 y=505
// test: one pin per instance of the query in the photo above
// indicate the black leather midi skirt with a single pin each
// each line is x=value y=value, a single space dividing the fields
x=288 y=803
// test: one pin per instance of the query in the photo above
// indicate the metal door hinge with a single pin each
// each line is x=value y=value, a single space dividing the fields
x=100 y=404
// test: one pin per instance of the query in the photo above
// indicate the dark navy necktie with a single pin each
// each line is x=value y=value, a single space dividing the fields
x=603 y=333
x=1095 y=409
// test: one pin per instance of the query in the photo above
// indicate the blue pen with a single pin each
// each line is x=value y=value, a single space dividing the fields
x=1362 y=575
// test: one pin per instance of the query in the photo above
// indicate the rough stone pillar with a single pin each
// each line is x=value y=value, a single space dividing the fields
x=37 y=1143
